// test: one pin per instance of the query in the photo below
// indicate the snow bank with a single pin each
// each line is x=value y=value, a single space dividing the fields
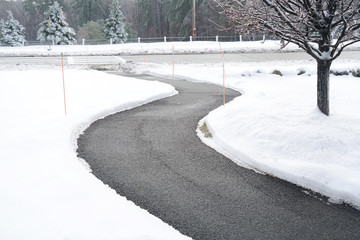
x=153 y=48
x=45 y=191
x=275 y=127
x=146 y=48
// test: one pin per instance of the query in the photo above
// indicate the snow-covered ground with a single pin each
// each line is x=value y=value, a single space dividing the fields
x=276 y=128
x=146 y=48
x=154 y=48
x=45 y=191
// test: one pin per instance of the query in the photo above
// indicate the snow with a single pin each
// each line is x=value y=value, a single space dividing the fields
x=148 y=48
x=153 y=48
x=46 y=192
x=55 y=28
x=115 y=26
x=275 y=127
x=11 y=31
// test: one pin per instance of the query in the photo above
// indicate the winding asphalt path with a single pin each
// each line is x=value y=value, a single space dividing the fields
x=151 y=155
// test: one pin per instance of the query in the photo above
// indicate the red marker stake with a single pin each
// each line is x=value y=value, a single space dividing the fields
x=62 y=64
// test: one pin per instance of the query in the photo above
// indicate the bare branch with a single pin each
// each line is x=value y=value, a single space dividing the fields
x=313 y=25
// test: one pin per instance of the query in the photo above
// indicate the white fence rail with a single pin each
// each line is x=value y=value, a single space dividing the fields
x=234 y=38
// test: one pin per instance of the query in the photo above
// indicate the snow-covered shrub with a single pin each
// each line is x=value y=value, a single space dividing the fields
x=339 y=73
x=92 y=30
x=277 y=72
x=356 y=72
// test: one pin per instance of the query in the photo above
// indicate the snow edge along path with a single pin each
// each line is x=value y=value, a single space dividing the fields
x=120 y=108
x=46 y=193
x=335 y=193
x=309 y=185
x=337 y=181
x=123 y=107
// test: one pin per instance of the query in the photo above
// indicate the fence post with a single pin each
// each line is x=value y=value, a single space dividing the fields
x=138 y=39
x=190 y=38
x=111 y=41
x=83 y=41
x=62 y=65
x=217 y=38
x=164 y=38
x=23 y=42
x=240 y=37
x=263 y=38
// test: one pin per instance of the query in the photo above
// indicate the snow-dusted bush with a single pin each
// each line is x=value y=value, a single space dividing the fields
x=11 y=32
x=115 y=26
x=92 y=30
x=54 y=28
x=356 y=72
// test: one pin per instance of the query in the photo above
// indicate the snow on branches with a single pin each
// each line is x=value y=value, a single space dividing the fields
x=54 y=28
x=11 y=32
x=323 y=28
x=115 y=26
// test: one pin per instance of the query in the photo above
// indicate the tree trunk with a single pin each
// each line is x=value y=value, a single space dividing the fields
x=323 y=76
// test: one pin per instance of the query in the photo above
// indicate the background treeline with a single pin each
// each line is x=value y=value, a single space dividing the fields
x=144 y=18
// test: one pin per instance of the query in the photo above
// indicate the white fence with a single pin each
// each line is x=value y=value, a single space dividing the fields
x=234 y=38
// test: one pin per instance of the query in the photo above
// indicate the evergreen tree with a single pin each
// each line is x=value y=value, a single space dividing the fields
x=34 y=12
x=151 y=18
x=55 y=28
x=12 y=32
x=38 y=7
x=2 y=29
x=115 y=26
x=179 y=13
x=88 y=10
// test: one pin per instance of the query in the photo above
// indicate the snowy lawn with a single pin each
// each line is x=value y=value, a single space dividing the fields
x=46 y=192
x=149 y=48
x=276 y=128
x=146 y=48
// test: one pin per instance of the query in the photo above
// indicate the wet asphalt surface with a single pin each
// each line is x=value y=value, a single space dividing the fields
x=153 y=157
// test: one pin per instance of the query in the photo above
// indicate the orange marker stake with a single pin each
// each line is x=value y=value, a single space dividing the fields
x=62 y=64
x=223 y=78
x=173 y=66
x=173 y=72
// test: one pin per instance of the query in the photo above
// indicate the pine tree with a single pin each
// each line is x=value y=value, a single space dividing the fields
x=151 y=18
x=179 y=13
x=12 y=32
x=115 y=26
x=2 y=29
x=55 y=28
x=36 y=8
x=89 y=10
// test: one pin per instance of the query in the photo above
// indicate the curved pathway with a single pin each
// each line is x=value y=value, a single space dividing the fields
x=151 y=155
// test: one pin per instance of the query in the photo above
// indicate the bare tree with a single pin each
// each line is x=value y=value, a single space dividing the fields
x=323 y=28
